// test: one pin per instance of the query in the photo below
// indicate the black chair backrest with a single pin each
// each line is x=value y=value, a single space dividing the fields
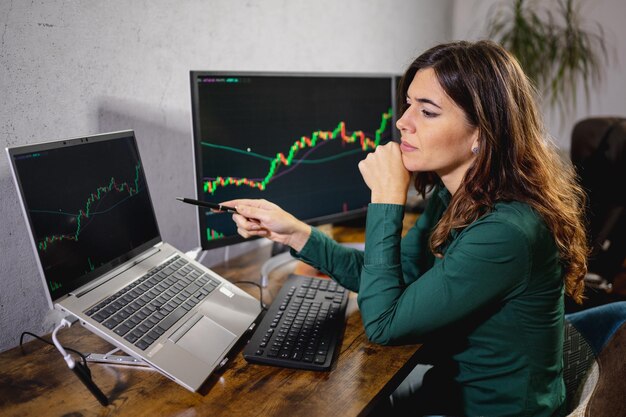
x=599 y=154
x=577 y=360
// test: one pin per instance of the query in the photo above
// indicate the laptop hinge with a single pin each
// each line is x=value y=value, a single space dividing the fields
x=116 y=272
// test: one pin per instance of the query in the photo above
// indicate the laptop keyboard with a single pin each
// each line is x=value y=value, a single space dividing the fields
x=144 y=310
x=303 y=327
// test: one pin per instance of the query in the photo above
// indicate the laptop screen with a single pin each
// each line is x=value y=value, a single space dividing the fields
x=87 y=205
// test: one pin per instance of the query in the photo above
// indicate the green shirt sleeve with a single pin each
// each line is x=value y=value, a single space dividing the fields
x=345 y=264
x=341 y=263
x=487 y=261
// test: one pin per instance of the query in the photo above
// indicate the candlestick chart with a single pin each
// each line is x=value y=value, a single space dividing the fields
x=299 y=176
x=365 y=144
x=82 y=218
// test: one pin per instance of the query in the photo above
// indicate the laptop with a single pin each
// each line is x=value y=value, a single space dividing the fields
x=101 y=257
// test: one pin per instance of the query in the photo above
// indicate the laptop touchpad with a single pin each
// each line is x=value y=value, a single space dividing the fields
x=206 y=340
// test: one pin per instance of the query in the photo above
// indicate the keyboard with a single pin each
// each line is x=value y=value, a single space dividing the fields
x=303 y=327
x=144 y=310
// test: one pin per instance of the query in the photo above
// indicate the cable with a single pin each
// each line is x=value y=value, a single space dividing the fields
x=259 y=286
x=82 y=372
x=83 y=357
x=79 y=368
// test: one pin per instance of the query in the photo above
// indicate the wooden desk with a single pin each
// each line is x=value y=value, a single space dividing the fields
x=35 y=381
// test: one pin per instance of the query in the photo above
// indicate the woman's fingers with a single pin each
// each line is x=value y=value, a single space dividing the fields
x=246 y=223
x=262 y=218
x=256 y=213
x=249 y=233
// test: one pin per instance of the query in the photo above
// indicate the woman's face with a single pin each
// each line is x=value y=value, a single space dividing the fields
x=435 y=133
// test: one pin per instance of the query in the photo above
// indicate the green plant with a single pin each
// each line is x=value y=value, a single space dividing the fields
x=555 y=50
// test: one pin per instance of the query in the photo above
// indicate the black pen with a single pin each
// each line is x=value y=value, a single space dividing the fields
x=206 y=204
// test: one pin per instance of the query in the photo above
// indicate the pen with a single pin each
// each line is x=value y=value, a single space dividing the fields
x=206 y=204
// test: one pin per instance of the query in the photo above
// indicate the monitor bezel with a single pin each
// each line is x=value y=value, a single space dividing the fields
x=87 y=278
x=332 y=218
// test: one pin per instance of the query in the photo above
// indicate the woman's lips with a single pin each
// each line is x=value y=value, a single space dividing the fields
x=405 y=147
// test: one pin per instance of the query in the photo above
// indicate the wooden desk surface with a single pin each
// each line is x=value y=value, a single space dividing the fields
x=35 y=381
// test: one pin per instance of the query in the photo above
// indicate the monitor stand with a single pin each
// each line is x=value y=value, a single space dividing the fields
x=280 y=255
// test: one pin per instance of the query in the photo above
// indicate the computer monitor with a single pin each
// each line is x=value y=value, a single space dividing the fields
x=293 y=139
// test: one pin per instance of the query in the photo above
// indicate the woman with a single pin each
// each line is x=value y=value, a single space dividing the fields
x=480 y=277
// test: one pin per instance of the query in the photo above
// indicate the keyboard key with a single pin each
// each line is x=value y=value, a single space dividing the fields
x=172 y=318
x=110 y=324
x=99 y=317
x=122 y=329
x=142 y=344
x=154 y=334
x=131 y=337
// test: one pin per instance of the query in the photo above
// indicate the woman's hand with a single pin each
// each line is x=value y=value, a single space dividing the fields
x=262 y=218
x=385 y=174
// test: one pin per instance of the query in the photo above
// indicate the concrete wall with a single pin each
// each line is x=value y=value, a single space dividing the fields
x=608 y=99
x=83 y=67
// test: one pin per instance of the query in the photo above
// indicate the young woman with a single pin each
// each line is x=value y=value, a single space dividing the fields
x=480 y=278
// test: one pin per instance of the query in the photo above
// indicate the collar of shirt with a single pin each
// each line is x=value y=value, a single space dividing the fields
x=444 y=195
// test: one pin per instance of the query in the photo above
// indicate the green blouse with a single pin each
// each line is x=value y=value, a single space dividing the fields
x=494 y=301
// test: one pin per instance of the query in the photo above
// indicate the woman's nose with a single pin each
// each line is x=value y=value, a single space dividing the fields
x=403 y=123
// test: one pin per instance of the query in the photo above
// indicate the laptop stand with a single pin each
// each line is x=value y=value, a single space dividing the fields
x=111 y=358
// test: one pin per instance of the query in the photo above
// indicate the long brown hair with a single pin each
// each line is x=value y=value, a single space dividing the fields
x=515 y=161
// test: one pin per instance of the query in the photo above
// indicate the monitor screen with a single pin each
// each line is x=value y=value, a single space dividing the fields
x=292 y=139
x=87 y=205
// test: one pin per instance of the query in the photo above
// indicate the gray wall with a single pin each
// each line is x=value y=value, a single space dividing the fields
x=608 y=99
x=71 y=68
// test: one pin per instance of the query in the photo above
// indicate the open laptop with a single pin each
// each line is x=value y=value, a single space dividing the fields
x=101 y=258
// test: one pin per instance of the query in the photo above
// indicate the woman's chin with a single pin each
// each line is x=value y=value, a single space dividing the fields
x=412 y=166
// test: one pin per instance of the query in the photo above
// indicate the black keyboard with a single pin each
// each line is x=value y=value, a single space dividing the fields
x=303 y=327
x=144 y=310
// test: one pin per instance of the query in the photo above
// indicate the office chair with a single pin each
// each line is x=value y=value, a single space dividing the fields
x=594 y=368
x=598 y=153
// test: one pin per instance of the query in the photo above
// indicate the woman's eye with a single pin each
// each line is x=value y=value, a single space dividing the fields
x=429 y=114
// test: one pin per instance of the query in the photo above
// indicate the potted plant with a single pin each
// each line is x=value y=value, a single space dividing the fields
x=553 y=46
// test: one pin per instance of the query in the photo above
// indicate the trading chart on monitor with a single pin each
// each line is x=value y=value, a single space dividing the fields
x=291 y=139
